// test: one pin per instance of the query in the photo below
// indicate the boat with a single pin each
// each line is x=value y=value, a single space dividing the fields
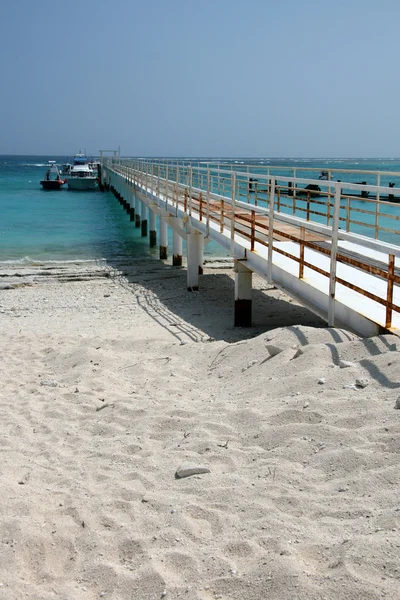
x=80 y=175
x=52 y=179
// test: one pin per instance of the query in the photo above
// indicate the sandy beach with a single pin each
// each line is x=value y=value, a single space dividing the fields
x=114 y=382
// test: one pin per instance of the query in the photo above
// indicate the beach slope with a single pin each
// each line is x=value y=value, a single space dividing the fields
x=115 y=383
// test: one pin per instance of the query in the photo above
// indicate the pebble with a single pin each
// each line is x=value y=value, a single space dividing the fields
x=273 y=350
x=362 y=382
x=188 y=469
x=397 y=403
x=321 y=380
x=298 y=353
x=345 y=364
x=49 y=382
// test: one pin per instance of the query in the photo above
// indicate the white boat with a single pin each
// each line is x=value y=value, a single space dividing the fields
x=81 y=175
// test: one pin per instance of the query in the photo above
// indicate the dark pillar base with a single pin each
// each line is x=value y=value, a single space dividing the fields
x=177 y=260
x=153 y=238
x=163 y=252
x=132 y=214
x=144 y=227
x=137 y=220
x=242 y=313
x=193 y=289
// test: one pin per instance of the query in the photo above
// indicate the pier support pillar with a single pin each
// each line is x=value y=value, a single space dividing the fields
x=176 y=249
x=132 y=209
x=243 y=294
x=123 y=195
x=137 y=212
x=201 y=254
x=153 y=229
x=127 y=199
x=194 y=247
x=163 y=238
x=144 y=219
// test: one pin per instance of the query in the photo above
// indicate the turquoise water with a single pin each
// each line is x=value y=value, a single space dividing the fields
x=45 y=225
x=38 y=225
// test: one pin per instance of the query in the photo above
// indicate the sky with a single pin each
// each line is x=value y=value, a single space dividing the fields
x=229 y=78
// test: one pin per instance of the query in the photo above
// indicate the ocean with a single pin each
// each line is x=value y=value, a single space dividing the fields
x=38 y=226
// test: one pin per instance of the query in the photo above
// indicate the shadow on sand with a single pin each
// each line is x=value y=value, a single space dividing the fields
x=163 y=295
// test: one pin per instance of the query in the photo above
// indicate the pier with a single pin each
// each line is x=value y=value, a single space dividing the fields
x=296 y=229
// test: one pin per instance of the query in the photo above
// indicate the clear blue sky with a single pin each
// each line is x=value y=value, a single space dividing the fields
x=283 y=78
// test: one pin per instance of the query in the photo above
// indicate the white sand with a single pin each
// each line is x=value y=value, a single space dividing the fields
x=108 y=384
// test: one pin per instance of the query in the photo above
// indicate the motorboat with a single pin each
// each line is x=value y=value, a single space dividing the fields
x=80 y=175
x=52 y=179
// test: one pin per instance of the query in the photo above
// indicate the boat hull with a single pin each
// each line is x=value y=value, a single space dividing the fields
x=51 y=184
x=82 y=183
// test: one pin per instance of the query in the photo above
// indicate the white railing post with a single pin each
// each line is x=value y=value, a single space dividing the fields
x=208 y=201
x=233 y=195
x=271 y=213
x=158 y=183
x=378 y=182
x=166 y=186
x=177 y=184
x=190 y=189
x=334 y=247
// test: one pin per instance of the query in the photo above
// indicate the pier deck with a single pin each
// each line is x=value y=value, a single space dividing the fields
x=348 y=279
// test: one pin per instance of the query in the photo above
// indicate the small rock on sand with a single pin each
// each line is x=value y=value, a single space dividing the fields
x=188 y=469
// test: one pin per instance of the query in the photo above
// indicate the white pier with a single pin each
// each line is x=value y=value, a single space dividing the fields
x=296 y=232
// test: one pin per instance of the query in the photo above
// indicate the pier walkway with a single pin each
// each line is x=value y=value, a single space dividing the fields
x=299 y=233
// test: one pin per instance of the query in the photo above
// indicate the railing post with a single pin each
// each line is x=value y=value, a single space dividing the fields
x=301 y=263
x=166 y=186
x=328 y=211
x=271 y=209
x=190 y=189
x=233 y=187
x=389 y=295
x=348 y=215
x=378 y=182
x=177 y=185
x=208 y=201
x=253 y=229
x=334 y=247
